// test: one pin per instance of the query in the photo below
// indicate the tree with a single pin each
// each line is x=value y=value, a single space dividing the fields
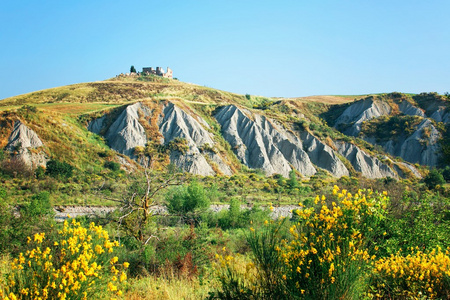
x=58 y=169
x=446 y=173
x=293 y=182
x=132 y=69
x=187 y=200
x=135 y=212
x=433 y=178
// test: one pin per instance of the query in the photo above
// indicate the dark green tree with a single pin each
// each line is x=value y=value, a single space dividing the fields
x=187 y=199
x=132 y=69
x=293 y=182
x=446 y=173
x=58 y=169
x=433 y=178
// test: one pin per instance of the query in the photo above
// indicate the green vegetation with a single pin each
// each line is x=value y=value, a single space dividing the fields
x=390 y=127
x=186 y=200
x=336 y=251
x=59 y=169
x=79 y=265
x=433 y=179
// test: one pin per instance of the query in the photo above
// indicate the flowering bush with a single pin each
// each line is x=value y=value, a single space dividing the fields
x=419 y=273
x=327 y=255
x=78 y=264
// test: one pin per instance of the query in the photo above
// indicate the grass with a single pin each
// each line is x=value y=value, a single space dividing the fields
x=168 y=287
x=75 y=108
x=330 y=99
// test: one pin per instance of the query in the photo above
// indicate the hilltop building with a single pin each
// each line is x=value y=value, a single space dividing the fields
x=159 y=71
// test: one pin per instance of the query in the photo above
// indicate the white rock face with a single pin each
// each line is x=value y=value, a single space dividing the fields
x=323 y=156
x=370 y=167
x=441 y=115
x=97 y=125
x=420 y=147
x=361 y=111
x=411 y=169
x=260 y=144
x=177 y=123
x=21 y=140
x=23 y=137
x=408 y=109
x=126 y=132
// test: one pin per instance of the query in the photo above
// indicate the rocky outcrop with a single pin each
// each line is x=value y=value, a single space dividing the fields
x=441 y=115
x=422 y=146
x=408 y=109
x=125 y=133
x=323 y=155
x=405 y=170
x=176 y=123
x=369 y=166
x=20 y=141
x=359 y=112
x=97 y=125
x=260 y=144
x=22 y=137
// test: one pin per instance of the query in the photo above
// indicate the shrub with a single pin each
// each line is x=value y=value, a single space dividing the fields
x=37 y=215
x=187 y=199
x=15 y=167
x=293 y=182
x=77 y=264
x=326 y=256
x=178 y=144
x=2 y=194
x=39 y=206
x=418 y=275
x=433 y=179
x=231 y=217
x=416 y=221
x=446 y=173
x=39 y=172
x=113 y=166
x=58 y=169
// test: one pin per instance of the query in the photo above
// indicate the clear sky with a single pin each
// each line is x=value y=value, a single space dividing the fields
x=270 y=48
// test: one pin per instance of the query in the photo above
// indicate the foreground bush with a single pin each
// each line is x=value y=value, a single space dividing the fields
x=324 y=255
x=77 y=264
x=330 y=252
x=328 y=256
x=413 y=276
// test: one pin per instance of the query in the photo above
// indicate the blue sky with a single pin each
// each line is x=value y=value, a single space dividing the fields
x=270 y=48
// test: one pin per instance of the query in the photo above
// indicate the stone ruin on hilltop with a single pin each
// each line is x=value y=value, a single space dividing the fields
x=150 y=71
x=159 y=71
